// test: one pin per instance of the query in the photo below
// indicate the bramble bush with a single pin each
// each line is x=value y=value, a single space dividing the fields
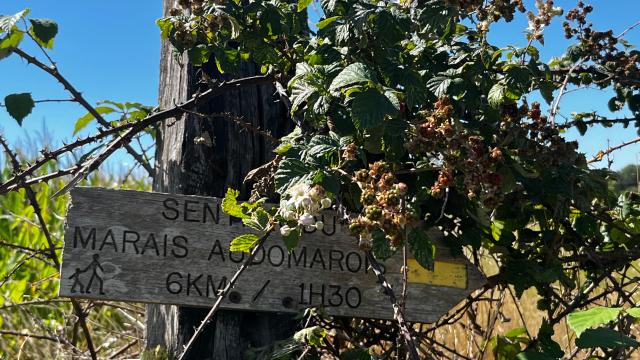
x=408 y=119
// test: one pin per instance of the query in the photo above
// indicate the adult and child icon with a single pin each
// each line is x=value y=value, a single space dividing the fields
x=93 y=267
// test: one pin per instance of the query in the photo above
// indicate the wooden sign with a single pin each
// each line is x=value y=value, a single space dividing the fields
x=174 y=249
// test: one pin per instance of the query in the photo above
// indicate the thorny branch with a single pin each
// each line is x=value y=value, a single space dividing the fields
x=397 y=310
x=77 y=96
x=21 y=179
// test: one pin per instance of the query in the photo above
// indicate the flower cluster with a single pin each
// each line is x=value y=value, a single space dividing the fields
x=300 y=208
x=383 y=209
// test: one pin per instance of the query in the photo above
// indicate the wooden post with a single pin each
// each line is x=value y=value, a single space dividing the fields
x=184 y=167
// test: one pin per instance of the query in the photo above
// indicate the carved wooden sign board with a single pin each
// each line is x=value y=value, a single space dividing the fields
x=174 y=249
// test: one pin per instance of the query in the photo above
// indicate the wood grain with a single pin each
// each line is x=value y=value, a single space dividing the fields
x=168 y=249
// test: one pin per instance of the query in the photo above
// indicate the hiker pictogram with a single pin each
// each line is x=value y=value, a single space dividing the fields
x=93 y=267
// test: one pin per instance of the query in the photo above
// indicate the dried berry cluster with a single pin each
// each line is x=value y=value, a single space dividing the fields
x=535 y=137
x=600 y=46
x=537 y=23
x=463 y=155
x=383 y=208
x=491 y=10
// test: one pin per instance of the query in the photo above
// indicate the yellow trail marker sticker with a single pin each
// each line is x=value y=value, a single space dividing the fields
x=443 y=274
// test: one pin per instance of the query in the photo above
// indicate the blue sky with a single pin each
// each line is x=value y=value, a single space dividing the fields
x=110 y=50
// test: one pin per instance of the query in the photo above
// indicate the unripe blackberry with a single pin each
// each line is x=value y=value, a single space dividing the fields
x=362 y=175
x=368 y=197
x=373 y=213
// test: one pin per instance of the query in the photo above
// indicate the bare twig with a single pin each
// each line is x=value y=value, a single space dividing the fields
x=33 y=336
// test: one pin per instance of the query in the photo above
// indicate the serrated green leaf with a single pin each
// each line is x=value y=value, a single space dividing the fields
x=243 y=243
x=19 y=106
x=423 y=250
x=303 y=4
x=497 y=94
x=289 y=173
x=44 y=31
x=369 y=109
x=82 y=122
x=230 y=204
x=258 y=221
x=7 y=22
x=579 y=321
x=439 y=85
x=352 y=74
x=605 y=338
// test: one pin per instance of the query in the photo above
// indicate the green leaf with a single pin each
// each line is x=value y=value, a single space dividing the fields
x=533 y=355
x=423 y=250
x=381 y=248
x=258 y=221
x=289 y=173
x=605 y=338
x=548 y=346
x=579 y=321
x=88 y=117
x=635 y=312
x=312 y=336
x=352 y=74
x=283 y=148
x=44 y=31
x=303 y=4
x=19 y=106
x=7 y=22
x=166 y=27
x=369 y=109
x=439 y=85
x=200 y=54
x=546 y=90
x=230 y=204
x=291 y=240
x=11 y=41
x=497 y=94
x=243 y=243
x=326 y=22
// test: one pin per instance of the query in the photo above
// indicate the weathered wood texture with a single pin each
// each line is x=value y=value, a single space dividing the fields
x=187 y=168
x=174 y=249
